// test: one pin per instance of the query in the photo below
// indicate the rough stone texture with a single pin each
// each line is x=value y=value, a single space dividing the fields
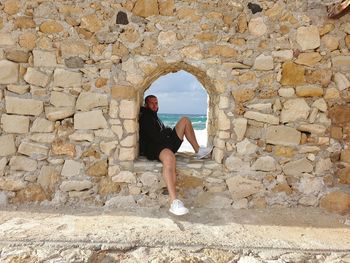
x=75 y=185
x=61 y=99
x=71 y=168
x=297 y=167
x=9 y=72
x=44 y=58
x=292 y=74
x=32 y=193
x=7 y=145
x=257 y=116
x=234 y=163
x=257 y=27
x=58 y=113
x=124 y=177
x=308 y=59
x=14 y=123
x=309 y=91
x=98 y=169
x=265 y=163
x=282 y=135
x=240 y=127
x=21 y=163
x=341 y=81
x=294 y=109
x=64 y=78
x=263 y=62
x=36 y=151
x=90 y=120
x=308 y=37
x=23 y=106
x=89 y=100
x=340 y=114
x=336 y=202
x=245 y=147
x=36 y=77
x=241 y=187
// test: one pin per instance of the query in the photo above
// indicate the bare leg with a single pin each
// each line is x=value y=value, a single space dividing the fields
x=184 y=128
x=167 y=157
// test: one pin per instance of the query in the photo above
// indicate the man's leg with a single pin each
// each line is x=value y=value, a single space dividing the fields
x=167 y=157
x=184 y=128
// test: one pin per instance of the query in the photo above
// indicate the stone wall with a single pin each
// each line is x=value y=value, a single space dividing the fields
x=73 y=73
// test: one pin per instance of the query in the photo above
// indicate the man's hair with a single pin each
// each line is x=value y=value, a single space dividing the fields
x=149 y=97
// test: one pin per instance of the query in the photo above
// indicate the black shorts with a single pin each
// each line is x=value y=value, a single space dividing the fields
x=173 y=143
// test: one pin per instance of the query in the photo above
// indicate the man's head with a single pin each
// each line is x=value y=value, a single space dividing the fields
x=151 y=102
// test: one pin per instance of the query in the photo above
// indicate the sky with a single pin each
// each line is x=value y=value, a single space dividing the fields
x=180 y=93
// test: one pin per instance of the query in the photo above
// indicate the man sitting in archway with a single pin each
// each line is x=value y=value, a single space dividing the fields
x=158 y=142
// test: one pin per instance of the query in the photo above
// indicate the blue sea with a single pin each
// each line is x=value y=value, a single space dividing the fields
x=198 y=121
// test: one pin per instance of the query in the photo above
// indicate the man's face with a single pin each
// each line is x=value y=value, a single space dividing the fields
x=152 y=104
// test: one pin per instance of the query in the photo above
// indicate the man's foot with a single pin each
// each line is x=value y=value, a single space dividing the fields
x=203 y=152
x=178 y=208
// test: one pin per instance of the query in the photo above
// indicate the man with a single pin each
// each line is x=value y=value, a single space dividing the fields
x=158 y=142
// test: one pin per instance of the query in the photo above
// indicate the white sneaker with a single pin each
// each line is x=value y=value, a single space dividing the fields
x=203 y=152
x=178 y=208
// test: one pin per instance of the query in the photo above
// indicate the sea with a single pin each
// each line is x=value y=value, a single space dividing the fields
x=170 y=120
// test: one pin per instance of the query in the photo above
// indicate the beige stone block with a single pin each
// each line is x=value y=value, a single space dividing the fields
x=345 y=156
x=309 y=91
x=98 y=169
x=27 y=40
x=14 y=123
x=317 y=129
x=33 y=150
x=128 y=141
x=91 y=23
x=167 y=38
x=243 y=95
x=294 y=109
x=124 y=177
x=24 y=22
x=341 y=62
x=61 y=99
x=50 y=27
x=108 y=147
x=122 y=92
x=336 y=202
x=192 y=52
x=19 y=89
x=240 y=127
x=72 y=48
x=42 y=137
x=130 y=126
x=36 y=77
x=297 y=167
x=283 y=55
x=308 y=59
x=81 y=136
x=44 y=58
x=71 y=168
x=223 y=121
x=127 y=109
x=292 y=74
x=308 y=37
x=89 y=100
x=58 y=113
x=12 y=7
x=7 y=145
x=8 y=72
x=265 y=163
x=48 y=177
x=127 y=154
x=331 y=93
x=257 y=26
x=90 y=120
x=263 y=62
x=11 y=184
x=75 y=185
x=282 y=135
x=64 y=78
x=166 y=7
x=341 y=81
x=18 y=56
x=241 y=187
x=262 y=117
x=60 y=147
x=7 y=39
x=23 y=106
x=21 y=163
x=146 y=8
x=222 y=51
x=3 y=163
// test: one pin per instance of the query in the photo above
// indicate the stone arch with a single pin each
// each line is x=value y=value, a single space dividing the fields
x=201 y=76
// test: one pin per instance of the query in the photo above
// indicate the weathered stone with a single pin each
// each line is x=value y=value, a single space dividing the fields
x=64 y=78
x=124 y=177
x=234 y=163
x=91 y=23
x=341 y=62
x=245 y=147
x=336 y=202
x=21 y=163
x=107 y=147
x=101 y=82
x=27 y=40
x=23 y=106
x=344 y=175
x=331 y=93
x=224 y=122
x=81 y=136
x=263 y=62
x=257 y=116
x=317 y=129
x=50 y=27
x=7 y=145
x=74 y=62
x=75 y=185
x=74 y=48
x=127 y=109
x=339 y=114
x=282 y=135
x=282 y=151
x=308 y=37
x=309 y=91
x=89 y=100
x=265 y=163
x=241 y=187
x=121 y=202
x=145 y=8
x=24 y=22
x=122 y=18
x=8 y=72
x=310 y=185
x=3 y=163
x=240 y=127
x=330 y=42
x=286 y=92
x=326 y=29
x=42 y=137
x=11 y=7
x=242 y=23
x=18 y=56
x=319 y=76
x=36 y=77
x=294 y=109
x=44 y=58
x=19 y=89
x=7 y=39
x=58 y=113
x=345 y=155
x=283 y=55
x=33 y=150
x=14 y=123
x=98 y=169
x=282 y=187
x=61 y=99
x=90 y=120
x=255 y=8
x=309 y=59
x=292 y=74
x=323 y=165
x=347 y=41
x=257 y=26
x=166 y=7
x=59 y=147
x=193 y=52
x=320 y=104
x=71 y=168
x=243 y=95
x=341 y=81
x=167 y=38
x=122 y=92
x=222 y=51
x=32 y=193
x=297 y=167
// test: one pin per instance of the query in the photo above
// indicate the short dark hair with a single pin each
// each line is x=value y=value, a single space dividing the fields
x=149 y=97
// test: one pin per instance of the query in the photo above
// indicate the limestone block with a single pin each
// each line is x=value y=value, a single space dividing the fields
x=7 y=145
x=44 y=58
x=265 y=163
x=297 y=167
x=33 y=150
x=345 y=155
x=71 y=168
x=58 y=113
x=166 y=7
x=11 y=184
x=283 y=55
x=311 y=186
x=14 y=123
x=64 y=78
x=61 y=99
x=167 y=38
x=292 y=74
x=294 y=109
x=257 y=116
x=19 y=89
x=42 y=137
x=91 y=23
x=128 y=141
x=336 y=202
x=108 y=147
x=286 y=92
x=60 y=147
x=222 y=51
x=320 y=104
x=127 y=109
x=339 y=114
x=331 y=93
x=149 y=179
x=8 y=72
x=18 y=56
x=323 y=165
x=42 y=125
x=23 y=106
x=265 y=107
x=243 y=95
x=27 y=40
x=145 y=8
x=124 y=177
x=257 y=27
x=245 y=147
x=308 y=37
x=21 y=163
x=192 y=52
x=3 y=163
x=98 y=169
x=224 y=122
x=106 y=133
x=121 y=201
x=218 y=155
x=118 y=130
x=317 y=129
x=89 y=100
x=90 y=120
x=36 y=77
x=241 y=187
x=81 y=136
x=122 y=92
x=330 y=42
x=263 y=62
x=130 y=126
x=308 y=59
x=341 y=62
x=341 y=81
x=309 y=91
x=234 y=163
x=282 y=135
x=7 y=39
x=51 y=27
x=75 y=185
x=127 y=154
x=24 y=22
x=240 y=127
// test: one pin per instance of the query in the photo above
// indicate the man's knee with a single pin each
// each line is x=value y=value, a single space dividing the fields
x=185 y=120
x=167 y=157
